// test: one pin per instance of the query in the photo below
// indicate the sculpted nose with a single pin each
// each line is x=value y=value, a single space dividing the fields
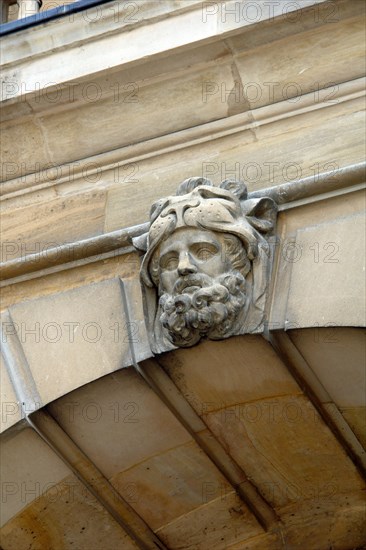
x=185 y=265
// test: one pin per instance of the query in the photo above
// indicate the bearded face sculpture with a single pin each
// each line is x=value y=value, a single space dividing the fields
x=205 y=271
x=201 y=293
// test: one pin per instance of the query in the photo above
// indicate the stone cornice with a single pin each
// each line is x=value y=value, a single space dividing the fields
x=313 y=186
x=269 y=114
x=120 y=241
x=126 y=38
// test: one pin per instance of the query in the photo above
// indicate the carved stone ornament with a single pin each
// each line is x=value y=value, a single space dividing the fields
x=206 y=266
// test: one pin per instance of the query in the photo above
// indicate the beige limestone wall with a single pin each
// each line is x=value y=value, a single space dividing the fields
x=87 y=149
x=256 y=102
x=84 y=165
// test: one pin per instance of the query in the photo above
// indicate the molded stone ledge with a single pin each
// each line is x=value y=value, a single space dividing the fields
x=172 y=29
x=92 y=23
x=194 y=87
x=55 y=113
x=120 y=240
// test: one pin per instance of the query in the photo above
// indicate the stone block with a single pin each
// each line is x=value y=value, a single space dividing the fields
x=66 y=515
x=124 y=266
x=216 y=375
x=135 y=112
x=217 y=524
x=38 y=227
x=287 y=451
x=287 y=67
x=329 y=271
x=289 y=222
x=171 y=484
x=78 y=335
x=18 y=147
x=10 y=407
x=24 y=481
x=337 y=357
x=118 y=421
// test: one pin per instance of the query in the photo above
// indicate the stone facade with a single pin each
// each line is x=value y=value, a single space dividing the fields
x=125 y=424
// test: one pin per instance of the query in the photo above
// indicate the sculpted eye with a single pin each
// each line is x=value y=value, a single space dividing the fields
x=169 y=262
x=204 y=252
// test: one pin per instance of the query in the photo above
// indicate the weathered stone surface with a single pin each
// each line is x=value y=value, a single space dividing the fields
x=158 y=176
x=120 y=404
x=139 y=106
x=97 y=22
x=125 y=266
x=124 y=155
x=286 y=67
x=291 y=147
x=78 y=336
x=335 y=519
x=65 y=517
x=10 y=407
x=23 y=481
x=176 y=27
x=214 y=525
x=259 y=154
x=252 y=405
x=289 y=223
x=268 y=541
x=161 y=472
x=273 y=150
x=39 y=227
x=313 y=464
x=336 y=355
x=216 y=375
x=323 y=254
x=18 y=142
x=356 y=418
x=171 y=484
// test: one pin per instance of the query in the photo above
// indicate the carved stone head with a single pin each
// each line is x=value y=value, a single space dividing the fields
x=205 y=271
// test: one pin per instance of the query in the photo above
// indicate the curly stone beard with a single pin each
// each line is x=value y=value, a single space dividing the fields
x=201 y=306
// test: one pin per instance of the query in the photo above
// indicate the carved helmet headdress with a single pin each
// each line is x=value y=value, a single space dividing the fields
x=198 y=203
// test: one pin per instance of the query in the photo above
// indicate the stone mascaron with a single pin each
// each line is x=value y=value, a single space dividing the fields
x=206 y=265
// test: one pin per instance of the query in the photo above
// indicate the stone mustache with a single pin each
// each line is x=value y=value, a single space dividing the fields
x=206 y=266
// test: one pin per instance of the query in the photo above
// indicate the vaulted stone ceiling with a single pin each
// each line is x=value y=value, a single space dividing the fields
x=231 y=450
